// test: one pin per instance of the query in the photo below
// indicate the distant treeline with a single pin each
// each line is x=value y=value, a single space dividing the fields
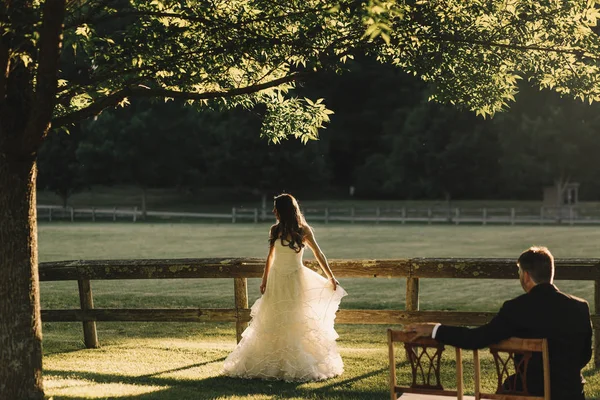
x=385 y=139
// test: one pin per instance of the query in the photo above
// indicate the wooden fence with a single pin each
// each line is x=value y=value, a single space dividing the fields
x=242 y=268
x=432 y=215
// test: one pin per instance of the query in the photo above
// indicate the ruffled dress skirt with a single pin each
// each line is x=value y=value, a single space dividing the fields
x=291 y=335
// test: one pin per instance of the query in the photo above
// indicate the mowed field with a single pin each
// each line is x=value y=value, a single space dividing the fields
x=183 y=361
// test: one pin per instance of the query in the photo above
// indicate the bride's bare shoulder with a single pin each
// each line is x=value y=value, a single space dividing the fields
x=306 y=230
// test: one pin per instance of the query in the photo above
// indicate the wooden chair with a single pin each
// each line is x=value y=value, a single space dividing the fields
x=424 y=355
x=508 y=348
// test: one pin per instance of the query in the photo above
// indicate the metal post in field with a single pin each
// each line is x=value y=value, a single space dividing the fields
x=115 y=214
x=50 y=214
x=403 y=215
x=429 y=216
x=134 y=214
x=571 y=215
x=72 y=215
x=256 y=215
x=240 y=287
x=456 y=215
x=512 y=216
x=484 y=216
x=542 y=215
x=326 y=215
x=377 y=215
x=93 y=214
x=263 y=209
x=233 y=215
x=90 y=335
x=352 y=214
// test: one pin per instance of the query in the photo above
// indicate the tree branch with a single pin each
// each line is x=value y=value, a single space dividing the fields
x=113 y=99
x=47 y=74
x=193 y=18
x=453 y=39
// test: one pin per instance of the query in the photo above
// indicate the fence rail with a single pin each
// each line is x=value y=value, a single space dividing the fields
x=240 y=269
x=483 y=216
x=53 y=213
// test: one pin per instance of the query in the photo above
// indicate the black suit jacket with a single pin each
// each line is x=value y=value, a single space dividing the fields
x=544 y=312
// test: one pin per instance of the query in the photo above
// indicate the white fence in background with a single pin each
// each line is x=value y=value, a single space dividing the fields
x=482 y=216
x=53 y=213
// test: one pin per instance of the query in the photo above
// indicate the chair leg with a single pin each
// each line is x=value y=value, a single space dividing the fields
x=477 y=371
x=459 y=374
x=392 y=366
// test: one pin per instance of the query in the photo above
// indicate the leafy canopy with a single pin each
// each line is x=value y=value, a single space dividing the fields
x=219 y=53
x=474 y=52
x=228 y=53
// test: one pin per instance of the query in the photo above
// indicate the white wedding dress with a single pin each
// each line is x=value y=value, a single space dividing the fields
x=291 y=335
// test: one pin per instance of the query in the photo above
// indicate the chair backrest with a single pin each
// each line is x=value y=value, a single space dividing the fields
x=424 y=355
x=509 y=348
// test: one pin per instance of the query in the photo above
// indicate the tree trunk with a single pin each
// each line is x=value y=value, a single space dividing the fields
x=27 y=100
x=20 y=323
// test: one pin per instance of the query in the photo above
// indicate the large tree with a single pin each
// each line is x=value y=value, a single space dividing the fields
x=62 y=61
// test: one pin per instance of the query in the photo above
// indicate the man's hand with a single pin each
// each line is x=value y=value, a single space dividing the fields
x=420 y=330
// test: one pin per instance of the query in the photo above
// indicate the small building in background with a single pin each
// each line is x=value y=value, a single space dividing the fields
x=561 y=200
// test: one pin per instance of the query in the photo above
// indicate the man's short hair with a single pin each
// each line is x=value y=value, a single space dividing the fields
x=539 y=263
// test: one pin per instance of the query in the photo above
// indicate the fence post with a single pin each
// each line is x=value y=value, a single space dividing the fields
x=326 y=215
x=352 y=214
x=90 y=335
x=115 y=214
x=542 y=215
x=240 y=287
x=93 y=214
x=233 y=215
x=484 y=216
x=412 y=294
x=512 y=216
x=256 y=215
x=134 y=213
x=596 y=329
x=50 y=214
x=403 y=215
x=456 y=215
x=377 y=215
x=429 y=216
x=72 y=215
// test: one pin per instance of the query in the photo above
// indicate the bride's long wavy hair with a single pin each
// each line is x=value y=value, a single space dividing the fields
x=289 y=223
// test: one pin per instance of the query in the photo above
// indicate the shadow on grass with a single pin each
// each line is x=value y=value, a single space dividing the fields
x=183 y=368
x=63 y=350
x=220 y=387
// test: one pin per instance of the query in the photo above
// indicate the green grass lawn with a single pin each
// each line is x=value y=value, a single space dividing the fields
x=183 y=361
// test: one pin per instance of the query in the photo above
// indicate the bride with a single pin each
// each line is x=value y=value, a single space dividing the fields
x=291 y=335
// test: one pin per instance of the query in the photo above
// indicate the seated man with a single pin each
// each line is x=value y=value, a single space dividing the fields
x=542 y=312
